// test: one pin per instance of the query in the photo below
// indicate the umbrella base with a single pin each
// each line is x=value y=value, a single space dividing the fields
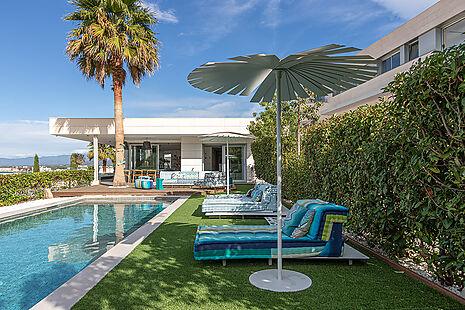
x=292 y=281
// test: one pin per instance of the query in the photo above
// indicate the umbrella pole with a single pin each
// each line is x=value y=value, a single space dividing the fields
x=227 y=165
x=278 y=172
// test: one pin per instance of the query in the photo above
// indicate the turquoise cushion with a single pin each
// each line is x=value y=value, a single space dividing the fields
x=304 y=226
x=293 y=219
x=257 y=195
x=320 y=209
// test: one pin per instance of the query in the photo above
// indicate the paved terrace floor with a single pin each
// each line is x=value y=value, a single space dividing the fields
x=106 y=190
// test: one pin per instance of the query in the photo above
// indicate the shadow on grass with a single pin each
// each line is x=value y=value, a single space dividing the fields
x=161 y=273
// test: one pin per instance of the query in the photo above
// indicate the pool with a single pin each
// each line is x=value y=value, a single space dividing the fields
x=41 y=251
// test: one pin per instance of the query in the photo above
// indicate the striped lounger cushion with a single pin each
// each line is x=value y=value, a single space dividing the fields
x=238 y=242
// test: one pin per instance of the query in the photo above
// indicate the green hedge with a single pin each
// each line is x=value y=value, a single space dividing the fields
x=399 y=166
x=15 y=188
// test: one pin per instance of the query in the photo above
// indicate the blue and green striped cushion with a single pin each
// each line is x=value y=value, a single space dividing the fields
x=293 y=219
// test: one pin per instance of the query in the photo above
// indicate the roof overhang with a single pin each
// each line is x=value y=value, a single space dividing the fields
x=137 y=130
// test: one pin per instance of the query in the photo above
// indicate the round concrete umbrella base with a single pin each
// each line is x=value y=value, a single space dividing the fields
x=292 y=281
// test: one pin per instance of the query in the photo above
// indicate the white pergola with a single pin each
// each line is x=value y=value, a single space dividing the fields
x=321 y=71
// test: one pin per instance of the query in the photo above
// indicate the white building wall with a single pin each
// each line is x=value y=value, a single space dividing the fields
x=191 y=154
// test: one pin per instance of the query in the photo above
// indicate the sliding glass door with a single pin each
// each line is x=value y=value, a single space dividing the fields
x=236 y=162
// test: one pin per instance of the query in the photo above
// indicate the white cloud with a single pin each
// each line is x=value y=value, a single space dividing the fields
x=28 y=137
x=406 y=9
x=164 y=16
x=271 y=14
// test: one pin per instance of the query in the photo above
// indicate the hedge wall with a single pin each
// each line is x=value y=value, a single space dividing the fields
x=399 y=166
x=15 y=188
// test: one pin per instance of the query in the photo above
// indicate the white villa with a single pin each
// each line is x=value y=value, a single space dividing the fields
x=441 y=25
x=168 y=144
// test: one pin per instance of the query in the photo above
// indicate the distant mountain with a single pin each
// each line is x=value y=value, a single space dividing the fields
x=58 y=160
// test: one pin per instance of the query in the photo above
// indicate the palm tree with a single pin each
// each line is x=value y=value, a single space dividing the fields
x=112 y=35
x=105 y=152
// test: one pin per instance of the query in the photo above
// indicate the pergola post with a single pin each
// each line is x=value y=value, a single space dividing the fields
x=96 y=180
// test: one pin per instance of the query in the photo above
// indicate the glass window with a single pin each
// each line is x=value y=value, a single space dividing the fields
x=395 y=62
x=390 y=63
x=386 y=66
x=236 y=162
x=454 y=34
x=170 y=157
x=144 y=158
x=413 y=51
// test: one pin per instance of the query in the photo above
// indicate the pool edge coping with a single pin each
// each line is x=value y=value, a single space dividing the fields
x=69 y=293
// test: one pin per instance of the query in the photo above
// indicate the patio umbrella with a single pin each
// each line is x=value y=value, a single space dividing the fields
x=321 y=71
x=228 y=137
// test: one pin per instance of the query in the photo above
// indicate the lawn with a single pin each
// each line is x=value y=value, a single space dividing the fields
x=161 y=273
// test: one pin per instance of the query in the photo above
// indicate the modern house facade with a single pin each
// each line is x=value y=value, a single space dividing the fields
x=440 y=26
x=168 y=144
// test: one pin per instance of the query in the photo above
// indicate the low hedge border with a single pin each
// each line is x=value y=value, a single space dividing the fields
x=16 y=188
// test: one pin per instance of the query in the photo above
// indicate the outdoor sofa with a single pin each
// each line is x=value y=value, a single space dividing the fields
x=212 y=179
x=179 y=177
x=261 y=198
x=319 y=233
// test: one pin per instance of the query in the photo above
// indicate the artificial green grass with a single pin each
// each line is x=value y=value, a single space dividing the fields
x=161 y=273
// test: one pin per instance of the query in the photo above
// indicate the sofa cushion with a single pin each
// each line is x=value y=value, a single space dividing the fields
x=293 y=219
x=304 y=225
x=257 y=195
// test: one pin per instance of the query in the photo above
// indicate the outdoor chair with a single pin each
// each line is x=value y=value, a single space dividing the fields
x=152 y=173
x=312 y=228
x=127 y=176
x=136 y=173
x=261 y=198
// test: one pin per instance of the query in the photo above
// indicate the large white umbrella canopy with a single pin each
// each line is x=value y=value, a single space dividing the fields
x=321 y=70
x=226 y=137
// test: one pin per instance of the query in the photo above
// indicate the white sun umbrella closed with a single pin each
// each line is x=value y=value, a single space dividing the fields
x=227 y=137
x=321 y=70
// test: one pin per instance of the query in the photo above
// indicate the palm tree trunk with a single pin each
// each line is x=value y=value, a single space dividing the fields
x=104 y=163
x=118 y=179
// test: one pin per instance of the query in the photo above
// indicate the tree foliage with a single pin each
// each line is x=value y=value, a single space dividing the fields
x=302 y=112
x=36 y=167
x=113 y=36
x=75 y=160
x=399 y=166
x=105 y=153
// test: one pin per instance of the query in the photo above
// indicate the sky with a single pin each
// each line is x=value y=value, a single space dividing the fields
x=37 y=81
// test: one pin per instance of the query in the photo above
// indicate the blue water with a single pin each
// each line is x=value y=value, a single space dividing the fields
x=40 y=252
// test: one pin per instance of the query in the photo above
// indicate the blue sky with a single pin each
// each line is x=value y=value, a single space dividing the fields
x=37 y=81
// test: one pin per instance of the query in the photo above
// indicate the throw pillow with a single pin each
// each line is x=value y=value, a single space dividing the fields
x=304 y=225
x=293 y=219
x=257 y=195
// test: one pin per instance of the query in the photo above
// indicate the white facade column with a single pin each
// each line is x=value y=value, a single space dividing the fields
x=96 y=180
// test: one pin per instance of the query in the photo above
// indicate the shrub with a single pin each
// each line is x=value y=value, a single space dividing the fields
x=15 y=188
x=399 y=166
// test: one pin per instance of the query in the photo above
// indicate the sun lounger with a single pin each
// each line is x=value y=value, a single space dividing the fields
x=263 y=198
x=323 y=238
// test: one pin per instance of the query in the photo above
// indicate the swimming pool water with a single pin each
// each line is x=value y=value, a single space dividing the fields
x=39 y=253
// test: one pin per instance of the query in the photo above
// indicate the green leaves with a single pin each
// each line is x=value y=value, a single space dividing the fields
x=16 y=188
x=111 y=33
